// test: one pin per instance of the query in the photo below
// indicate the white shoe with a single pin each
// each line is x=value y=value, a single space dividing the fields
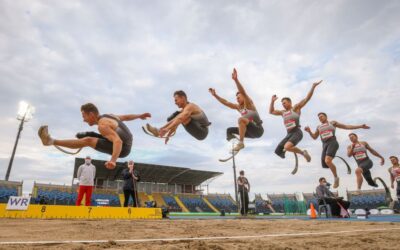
x=152 y=130
x=43 y=133
x=336 y=182
x=238 y=146
x=307 y=156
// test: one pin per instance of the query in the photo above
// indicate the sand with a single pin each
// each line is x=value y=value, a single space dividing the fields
x=112 y=230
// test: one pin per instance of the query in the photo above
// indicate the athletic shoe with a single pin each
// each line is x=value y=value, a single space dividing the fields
x=336 y=182
x=307 y=156
x=44 y=135
x=238 y=146
x=152 y=130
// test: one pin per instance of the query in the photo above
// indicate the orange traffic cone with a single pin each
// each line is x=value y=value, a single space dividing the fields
x=312 y=210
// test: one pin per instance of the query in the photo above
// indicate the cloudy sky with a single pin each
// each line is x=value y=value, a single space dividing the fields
x=130 y=56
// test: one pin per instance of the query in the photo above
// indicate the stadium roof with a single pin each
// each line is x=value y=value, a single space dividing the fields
x=152 y=173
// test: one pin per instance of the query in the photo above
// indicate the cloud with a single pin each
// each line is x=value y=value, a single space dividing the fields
x=130 y=56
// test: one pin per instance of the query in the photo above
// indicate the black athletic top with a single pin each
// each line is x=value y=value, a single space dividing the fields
x=122 y=130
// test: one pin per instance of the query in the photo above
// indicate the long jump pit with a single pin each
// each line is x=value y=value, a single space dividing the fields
x=213 y=232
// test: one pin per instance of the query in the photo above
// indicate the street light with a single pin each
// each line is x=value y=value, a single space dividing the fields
x=25 y=113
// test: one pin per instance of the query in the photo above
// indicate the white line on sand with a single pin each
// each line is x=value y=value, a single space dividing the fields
x=194 y=238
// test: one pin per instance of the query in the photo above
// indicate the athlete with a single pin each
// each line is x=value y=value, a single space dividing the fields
x=327 y=132
x=191 y=116
x=115 y=137
x=358 y=150
x=249 y=124
x=394 y=171
x=291 y=118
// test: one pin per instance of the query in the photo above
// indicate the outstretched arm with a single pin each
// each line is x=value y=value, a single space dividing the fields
x=272 y=110
x=134 y=117
x=222 y=100
x=313 y=135
x=373 y=151
x=303 y=102
x=238 y=84
x=349 y=127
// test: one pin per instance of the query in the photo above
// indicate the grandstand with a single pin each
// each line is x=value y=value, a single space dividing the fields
x=222 y=202
x=9 y=188
x=262 y=205
x=367 y=199
x=278 y=201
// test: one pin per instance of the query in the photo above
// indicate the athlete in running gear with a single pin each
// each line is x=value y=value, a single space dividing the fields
x=115 y=137
x=327 y=132
x=250 y=123
x=358 y=150
x=191 y=116
x=291 y=118
x=394 y=172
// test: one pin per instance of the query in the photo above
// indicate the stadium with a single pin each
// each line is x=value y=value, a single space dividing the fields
x=189 y=124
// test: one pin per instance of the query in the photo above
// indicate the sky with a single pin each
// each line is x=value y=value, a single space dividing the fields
x=130 y=56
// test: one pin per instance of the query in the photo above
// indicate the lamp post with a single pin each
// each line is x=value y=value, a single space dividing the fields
x=25 y=113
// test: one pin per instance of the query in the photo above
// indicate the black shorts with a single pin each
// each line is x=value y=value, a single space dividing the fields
x=196 y=129
x=294 y=136
x=105 y=146
x=329 y=148
x=252 y=131
x=365 y=164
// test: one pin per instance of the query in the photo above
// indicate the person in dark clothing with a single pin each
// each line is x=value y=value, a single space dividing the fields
x=244 y=189
x=335 y=202
x=131 y=177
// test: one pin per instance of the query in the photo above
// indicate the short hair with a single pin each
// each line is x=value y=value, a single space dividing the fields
x=180 y=93
x=287 y=99
x=322 y=178
x=89 y=108
x=394 y=157
x=353 y=134
x=241 y=172
x=322 y=113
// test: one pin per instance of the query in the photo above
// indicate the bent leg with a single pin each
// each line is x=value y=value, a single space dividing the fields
x=359 y=177
x=242 y=122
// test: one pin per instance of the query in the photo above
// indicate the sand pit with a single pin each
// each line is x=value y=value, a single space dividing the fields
x=210 y=234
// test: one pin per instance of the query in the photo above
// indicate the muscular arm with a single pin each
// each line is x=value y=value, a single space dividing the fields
x=373 y=151
x=391 y=176
x=302 y=103
x=109 y=133
x=349 y=127
x=272 y=110
x=313 y=135
x=184 y=115
x=350 y=151
x=132 y=117
x=226 y=103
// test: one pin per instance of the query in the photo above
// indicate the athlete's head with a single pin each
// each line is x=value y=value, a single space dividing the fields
x=241 y=172
x=394 y=160
x=240 y=98
x=353 y=137
x=322 y=117
x=180 y=98
x=90 y=113
x=286 y=103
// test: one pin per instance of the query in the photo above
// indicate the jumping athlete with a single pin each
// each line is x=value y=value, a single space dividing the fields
x=358 y=149
x=249 y=124
x=115 y=137
x=394 y=171
x=291 y=119
x=191 y=116
x=327 y=131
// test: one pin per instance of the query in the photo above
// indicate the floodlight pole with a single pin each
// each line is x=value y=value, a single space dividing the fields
x=234 y=177
x=21 y=126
